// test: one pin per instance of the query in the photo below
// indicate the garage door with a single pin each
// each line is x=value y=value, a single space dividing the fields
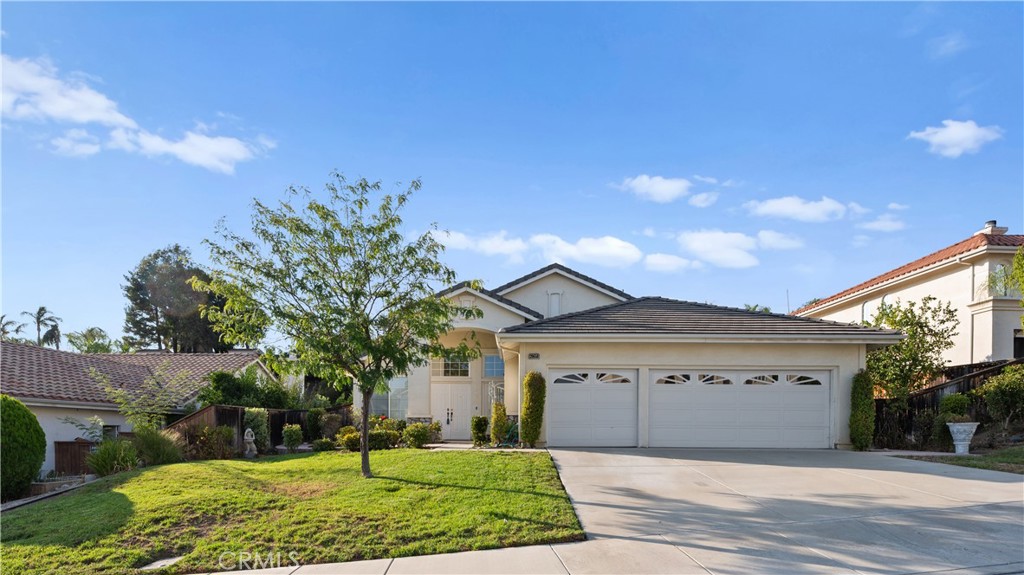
x=592 y=408
x=750 y=408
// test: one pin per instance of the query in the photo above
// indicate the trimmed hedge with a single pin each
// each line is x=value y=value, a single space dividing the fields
x=416 y=435
x=534 y=390
x=1004 y=395
x=478 y=428
x=323 y=444
x=22 y=448
x=499 y=423
x=292 y=436
x=862 y=411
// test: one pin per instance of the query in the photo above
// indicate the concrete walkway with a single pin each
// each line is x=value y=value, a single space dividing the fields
x=723 y=512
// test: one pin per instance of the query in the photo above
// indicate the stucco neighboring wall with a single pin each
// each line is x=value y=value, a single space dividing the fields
x=844 y=360
x=56 y=430
x=574 y=295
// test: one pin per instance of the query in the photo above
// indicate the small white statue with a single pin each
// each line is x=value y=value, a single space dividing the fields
x=250 y=443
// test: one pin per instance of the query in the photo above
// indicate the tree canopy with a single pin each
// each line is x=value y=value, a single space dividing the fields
x=47 y=326
x=94 y=340
x=337 y=278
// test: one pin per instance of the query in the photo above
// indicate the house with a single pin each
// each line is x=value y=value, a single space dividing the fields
x=989 y=315
x=56 y=385
x=639 y=372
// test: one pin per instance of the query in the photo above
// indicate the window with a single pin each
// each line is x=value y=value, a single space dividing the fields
x=494 y=366
x=766 y=379
x=111 y=431
x=393 y=404
x=673 y=379
x=612 y=378
x=599 y=377
x=449 y=368
x=573 y=378
x=496 y=392
x=797 y=379
x=713 y=379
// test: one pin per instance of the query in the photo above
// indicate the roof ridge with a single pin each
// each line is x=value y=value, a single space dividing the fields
x=578 y=313
x=565 y=269
x=493 y=295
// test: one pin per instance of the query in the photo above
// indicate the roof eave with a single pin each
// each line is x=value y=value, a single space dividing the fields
x=874 y=339
x=519 y=312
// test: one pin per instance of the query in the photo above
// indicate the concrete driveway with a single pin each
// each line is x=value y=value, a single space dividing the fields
x=794 y=511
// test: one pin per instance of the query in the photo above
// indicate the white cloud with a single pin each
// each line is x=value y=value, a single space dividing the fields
x=76 y=143
x=883 y=223
x=948 y=45
x=668 y=263
x=956 y=138
x=705 y=179
x=723 y=249
x=857 y=209
x=896 y=206
x=656 y=188
x=649 y=232
x=730 y=183
x=703 y=199
x=605 y=251
x=497 y=243
x=797 y=208
x=33 y=90
x=771 y=240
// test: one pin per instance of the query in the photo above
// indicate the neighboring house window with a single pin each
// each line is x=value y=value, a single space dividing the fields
x=111 y=431
x=393 y=404
x=1001 y=277
x=554 y=303
x=449 y=368
x=494 y=366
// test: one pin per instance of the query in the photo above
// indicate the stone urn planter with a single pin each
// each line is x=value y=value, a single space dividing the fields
x=962 y=434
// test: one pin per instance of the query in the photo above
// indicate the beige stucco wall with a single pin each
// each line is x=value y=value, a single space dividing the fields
x=986 y=322
x=843 y=360
x=55 y=430
x=575 y=296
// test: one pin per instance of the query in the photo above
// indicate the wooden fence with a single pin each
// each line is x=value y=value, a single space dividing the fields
x=233 y=416
x=69 y=457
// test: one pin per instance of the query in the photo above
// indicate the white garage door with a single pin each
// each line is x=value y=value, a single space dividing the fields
x=592 y=408
x=751 y=408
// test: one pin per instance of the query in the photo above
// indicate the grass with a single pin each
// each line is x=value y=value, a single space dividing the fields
x=315 y=505
x=1010 y=459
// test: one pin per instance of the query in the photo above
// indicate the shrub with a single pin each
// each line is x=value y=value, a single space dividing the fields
x=314 y=419
x=862 y=411
x=351 y=441
x=217 y=442
x=534 y=389
x=113 y=456
x=387 y=423
x=157 y=447
x=416 y=435
x=380 y=439
x=499 y=424
x=330 y=425
x=1004 y=395
x=435 y=432
x=345 y=432
x=258 y=420
x=954 y=404
x=924 y=426
x=22 y=448
x=478 y=429
x=323 y=444
x=292 y=437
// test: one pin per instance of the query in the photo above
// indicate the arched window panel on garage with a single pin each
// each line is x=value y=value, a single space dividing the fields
x=762 y=379
x=572 y=378
x=801 y=379
x=713 y=379
x=674 y=379
x=609 y=377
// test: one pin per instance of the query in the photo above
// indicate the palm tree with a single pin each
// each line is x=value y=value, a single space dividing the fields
x=52 y=336
x=91 y=340
x=43 y=318
x=9 y=327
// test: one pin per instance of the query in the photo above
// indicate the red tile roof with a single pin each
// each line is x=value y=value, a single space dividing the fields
x=33 y=372
x=972 y=243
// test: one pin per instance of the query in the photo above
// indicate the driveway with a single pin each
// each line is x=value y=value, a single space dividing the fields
x=792 y=511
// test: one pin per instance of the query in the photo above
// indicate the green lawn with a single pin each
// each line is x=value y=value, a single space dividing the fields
x=316 y=505
x=1010 y=459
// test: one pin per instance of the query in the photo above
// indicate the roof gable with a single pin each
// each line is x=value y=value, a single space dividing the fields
x=501 y=301
x=564 y=271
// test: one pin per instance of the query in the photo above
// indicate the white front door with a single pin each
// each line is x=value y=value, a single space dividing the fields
x=449 y=404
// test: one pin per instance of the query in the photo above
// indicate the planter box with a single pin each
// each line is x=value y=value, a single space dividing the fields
x=42 y=487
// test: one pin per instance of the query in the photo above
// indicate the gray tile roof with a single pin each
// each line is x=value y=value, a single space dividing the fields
x=527 y=311
x=662 y=316
x=566 y=270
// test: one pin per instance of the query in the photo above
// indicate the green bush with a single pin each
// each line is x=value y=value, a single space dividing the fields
x=292 y=437
x=924 y=426
x=330 y=425
x=344 y=432
x=1004 y=395
x=158 y=446
x=387 y=423
x=862 y=411
x=22 y=448
x=217 y=442
x=478 y=430
x=323 y=444
x=534 y=390
x=314 y=417
x=113 y=456
x=351 y=441
x=954 y=404
x=258 y=420
x=416 y=435
x=435 y=432
x=380 y=439
x=499 y=424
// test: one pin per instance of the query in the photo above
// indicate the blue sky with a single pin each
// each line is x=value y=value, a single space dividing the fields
x=719 y=152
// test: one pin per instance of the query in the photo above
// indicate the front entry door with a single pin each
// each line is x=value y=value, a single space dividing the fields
x=449 y=404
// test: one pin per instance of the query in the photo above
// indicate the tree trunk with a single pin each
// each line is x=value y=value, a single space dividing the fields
x=364 y=444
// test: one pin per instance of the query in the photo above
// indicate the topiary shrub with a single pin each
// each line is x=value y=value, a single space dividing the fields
x=499 y=424
x=323 y=444
x=416 y=435
x=862 y=411
x=113 y=456
x=258 y=420
x=314 y=417
x=158 y=446
x=292 y=437
x=330 y=425
x=351 y=441
x=478 y=430
x=534 y=390
x=1004 y=395
x=22 y=448
x=955 y=404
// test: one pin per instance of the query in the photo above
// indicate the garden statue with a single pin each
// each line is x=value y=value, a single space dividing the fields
x=250 y=443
